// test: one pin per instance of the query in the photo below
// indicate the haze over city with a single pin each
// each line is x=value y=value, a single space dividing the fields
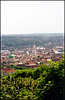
x=26 y=17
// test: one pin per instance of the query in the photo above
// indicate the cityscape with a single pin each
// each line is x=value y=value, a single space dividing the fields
x=32 y=50
x=31 y=57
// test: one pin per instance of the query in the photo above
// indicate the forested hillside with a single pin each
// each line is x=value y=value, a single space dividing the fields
x=42 y=83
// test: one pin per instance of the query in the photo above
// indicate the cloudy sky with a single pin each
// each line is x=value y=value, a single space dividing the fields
x=26 y=17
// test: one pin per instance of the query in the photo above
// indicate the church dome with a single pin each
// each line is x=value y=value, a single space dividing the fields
x=11 y=56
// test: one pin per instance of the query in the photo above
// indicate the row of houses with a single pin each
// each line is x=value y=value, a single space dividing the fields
x=21 y=58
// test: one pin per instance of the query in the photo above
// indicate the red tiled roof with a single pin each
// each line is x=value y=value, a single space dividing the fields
x=8 y=70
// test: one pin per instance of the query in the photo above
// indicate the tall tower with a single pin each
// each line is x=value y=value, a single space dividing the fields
x=34 y=49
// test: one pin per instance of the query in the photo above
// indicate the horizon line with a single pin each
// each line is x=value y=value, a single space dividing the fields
x=32 y=33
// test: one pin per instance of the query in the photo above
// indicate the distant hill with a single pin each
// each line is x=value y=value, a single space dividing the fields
x=27 y=40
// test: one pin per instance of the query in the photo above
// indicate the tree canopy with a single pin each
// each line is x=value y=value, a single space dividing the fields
x=42 y=83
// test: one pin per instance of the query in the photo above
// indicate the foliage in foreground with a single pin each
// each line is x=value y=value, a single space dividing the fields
x=43 y=83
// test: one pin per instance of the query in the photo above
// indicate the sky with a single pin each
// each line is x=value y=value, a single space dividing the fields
x=26 y=17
